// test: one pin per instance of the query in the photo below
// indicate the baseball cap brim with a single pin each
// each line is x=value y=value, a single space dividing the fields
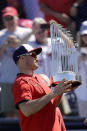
x=37 y=50
x=9 y=14
x=83 y=32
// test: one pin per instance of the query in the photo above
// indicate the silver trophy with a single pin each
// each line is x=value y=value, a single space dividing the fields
x=64 y=55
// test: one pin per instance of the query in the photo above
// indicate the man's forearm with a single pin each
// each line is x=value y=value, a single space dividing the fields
x=48 y=10
x=33 y=106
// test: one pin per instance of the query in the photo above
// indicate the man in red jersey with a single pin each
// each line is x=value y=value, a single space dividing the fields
x=60 y=10
x=32 y=97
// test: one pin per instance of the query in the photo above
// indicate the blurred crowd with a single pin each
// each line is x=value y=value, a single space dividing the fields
x=27 y=21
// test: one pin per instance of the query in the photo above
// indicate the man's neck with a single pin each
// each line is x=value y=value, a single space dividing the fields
x=30 y=73
x=12 y=29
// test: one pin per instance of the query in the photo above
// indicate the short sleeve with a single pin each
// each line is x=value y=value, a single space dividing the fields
x=21 y=91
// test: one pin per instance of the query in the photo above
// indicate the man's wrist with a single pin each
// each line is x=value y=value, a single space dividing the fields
x=52 y=94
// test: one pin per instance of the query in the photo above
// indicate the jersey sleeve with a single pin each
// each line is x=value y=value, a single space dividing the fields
x=21 y=92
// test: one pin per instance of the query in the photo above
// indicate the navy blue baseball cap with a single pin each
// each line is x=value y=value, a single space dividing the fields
x=24 y=50
x=83 y=28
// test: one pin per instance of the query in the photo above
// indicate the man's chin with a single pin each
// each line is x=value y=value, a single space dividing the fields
x=36 y=67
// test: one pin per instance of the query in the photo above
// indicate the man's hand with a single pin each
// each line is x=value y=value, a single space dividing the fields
x=12 y=41
x=73 y=11
x=63 y=17
x=62 y=87
x=74 y=85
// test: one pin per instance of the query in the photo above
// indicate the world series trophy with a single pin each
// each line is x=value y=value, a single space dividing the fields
x=64 y=55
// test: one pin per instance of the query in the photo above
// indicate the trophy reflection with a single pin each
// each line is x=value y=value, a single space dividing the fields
x=64 y=55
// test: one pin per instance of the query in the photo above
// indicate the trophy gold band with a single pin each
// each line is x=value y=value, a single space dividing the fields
x=64 y=55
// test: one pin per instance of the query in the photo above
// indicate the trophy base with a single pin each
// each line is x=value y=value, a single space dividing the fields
x=68 y=75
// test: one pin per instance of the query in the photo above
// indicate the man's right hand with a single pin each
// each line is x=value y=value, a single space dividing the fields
x=62 y=87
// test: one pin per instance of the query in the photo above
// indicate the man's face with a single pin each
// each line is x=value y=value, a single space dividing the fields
x=10 y=21
x=40 y=34
x=84 y=38
x=30 y=61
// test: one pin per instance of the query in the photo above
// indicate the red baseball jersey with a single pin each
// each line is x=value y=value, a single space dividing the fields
x=33 y=87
